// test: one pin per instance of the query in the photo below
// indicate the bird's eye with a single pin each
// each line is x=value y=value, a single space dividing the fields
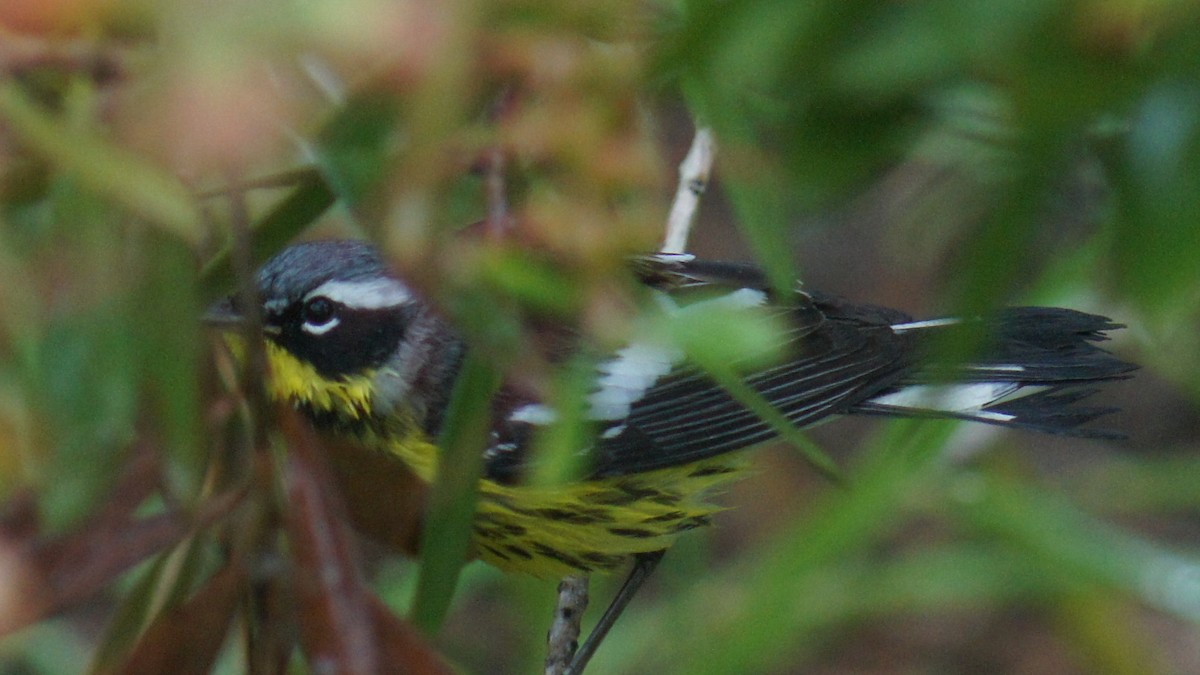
x=319 y=311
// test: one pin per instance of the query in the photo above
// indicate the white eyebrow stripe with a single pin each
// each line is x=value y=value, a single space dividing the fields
x=379 y=293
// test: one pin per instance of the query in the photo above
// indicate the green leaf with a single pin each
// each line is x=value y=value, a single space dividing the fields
x=1158 y=178
x=307 y=201
x=165 y=318
x=86 y=375
x=1070 y=544
x=358 y=146
x=104 y=167
x=447 y=534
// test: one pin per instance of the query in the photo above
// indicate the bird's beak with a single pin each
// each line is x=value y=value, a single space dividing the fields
x=224 y=316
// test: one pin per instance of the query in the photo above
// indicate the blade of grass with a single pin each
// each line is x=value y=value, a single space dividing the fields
x=762 y=619
x=743 y=393
x=446 y=539
x=944 y=578
x=105 y=168
x=309 y=200
x=164 y=584
x=763 y=216
x=1070 y=543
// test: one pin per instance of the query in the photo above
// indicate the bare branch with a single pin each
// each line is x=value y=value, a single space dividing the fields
x=694 y=172
x=563 y=638
x=494 y=163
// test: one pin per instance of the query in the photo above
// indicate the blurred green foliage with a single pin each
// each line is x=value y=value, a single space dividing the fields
x=970 y=154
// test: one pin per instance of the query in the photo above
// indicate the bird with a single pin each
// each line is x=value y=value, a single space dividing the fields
x=371 y=364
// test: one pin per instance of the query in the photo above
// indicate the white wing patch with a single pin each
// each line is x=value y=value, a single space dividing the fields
x=613 y=432
x=742 y=298
x=636 y=368
x=534 y=413
x=377 y=293
x=624 y=380
x=628 y=377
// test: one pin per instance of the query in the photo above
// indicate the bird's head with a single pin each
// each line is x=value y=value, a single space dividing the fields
x=335 y=323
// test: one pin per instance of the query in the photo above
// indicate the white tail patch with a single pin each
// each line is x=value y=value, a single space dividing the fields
x=998 y=368
x=929 y=323
x=673 y=258
x=958 y=398
x=375 y=293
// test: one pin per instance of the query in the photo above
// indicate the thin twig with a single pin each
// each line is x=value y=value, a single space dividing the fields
x=264 y=642
x=275 y=181
x=20 y=54
x=563 y=638
x=498 y=221
x=694 y=172
x=248 y=301
x=494 y=161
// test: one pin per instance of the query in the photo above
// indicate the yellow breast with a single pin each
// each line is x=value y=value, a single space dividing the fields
x=594 y=526
x=351 y=398
x=587 y=526
x=293 y=380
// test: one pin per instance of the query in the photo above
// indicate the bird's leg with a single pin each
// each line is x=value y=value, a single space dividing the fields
x=643 y=567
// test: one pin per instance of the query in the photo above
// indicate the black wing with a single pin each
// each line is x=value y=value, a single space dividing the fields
x=835 y=360
x=833 y=364
x=1034 y=364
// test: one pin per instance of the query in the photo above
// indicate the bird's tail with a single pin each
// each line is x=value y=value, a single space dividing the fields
x=1035 y=365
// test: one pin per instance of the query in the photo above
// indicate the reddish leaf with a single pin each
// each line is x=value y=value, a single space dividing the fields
x=343 y=627
x=331 y=602
x=42 y=577
x=385 y=500
x=185 y=640
x=403 y=648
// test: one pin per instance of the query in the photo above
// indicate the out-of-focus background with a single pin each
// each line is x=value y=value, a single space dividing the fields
x=936 y=156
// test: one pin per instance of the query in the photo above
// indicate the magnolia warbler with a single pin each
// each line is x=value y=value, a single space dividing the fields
x=372 y=364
